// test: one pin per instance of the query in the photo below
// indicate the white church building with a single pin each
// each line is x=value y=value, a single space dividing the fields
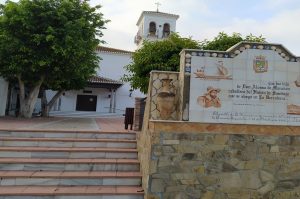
x=105 y=92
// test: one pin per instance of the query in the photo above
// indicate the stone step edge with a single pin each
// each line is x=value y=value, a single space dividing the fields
x=67 y=139
x=67 y=149
x=69 y=174
x=65 y=131
x=69 y=190
x=67 y=161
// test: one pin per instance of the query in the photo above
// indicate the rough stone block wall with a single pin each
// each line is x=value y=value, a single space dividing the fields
x=218 y=166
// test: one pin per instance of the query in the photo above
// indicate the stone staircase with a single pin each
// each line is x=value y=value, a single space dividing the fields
x=68 y=164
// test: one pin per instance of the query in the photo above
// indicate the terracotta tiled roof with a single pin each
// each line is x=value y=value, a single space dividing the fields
x=112 y=50
x=103 y=80
x=156 y=13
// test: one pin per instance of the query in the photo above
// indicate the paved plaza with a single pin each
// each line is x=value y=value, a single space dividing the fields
x=59 y=123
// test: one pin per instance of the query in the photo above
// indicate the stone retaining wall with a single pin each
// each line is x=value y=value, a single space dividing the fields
x=211 y=165
x=139 y=109
x=186 y=160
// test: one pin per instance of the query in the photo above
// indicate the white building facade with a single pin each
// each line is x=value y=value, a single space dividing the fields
x=105 y=93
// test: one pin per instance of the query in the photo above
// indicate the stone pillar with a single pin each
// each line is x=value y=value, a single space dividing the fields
x=111 y=101
x=3 y=95
x=139 y=110
x=115 y=101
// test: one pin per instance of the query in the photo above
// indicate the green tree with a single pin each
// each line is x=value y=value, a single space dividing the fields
x=159 y=55
x=223 y=41
x=164 y=55
x=50 y=43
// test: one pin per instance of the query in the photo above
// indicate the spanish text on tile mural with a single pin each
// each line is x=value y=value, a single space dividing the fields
x=270 y=91
x=255 y=87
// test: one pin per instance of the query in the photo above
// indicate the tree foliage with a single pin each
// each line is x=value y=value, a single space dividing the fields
x=159 y=55
x=223 y=41
x=164 y=55
x=50 y=43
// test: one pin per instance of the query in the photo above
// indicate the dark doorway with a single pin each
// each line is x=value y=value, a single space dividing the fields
x=86 y=103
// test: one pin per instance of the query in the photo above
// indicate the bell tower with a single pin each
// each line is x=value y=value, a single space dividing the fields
x=154 y=25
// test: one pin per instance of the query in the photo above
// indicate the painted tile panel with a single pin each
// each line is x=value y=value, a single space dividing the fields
x=255 y=87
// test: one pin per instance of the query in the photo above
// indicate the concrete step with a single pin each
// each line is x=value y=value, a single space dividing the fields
x=68 y=134
x=69 y=178
x=67 y=152
x=76 y=197
x=74 y=164
x=67 y=142
x=69 y=165
x=84 y=192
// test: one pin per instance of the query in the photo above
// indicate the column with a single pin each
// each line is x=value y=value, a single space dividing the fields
x=111 y=101
x=115 y=101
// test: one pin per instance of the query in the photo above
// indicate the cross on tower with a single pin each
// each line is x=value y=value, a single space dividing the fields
x=157 y=4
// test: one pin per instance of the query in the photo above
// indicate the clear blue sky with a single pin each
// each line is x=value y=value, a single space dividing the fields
x=277 y=20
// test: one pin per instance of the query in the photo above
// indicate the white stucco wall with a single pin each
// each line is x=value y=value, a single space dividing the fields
x=112 y=66
x=68 y=100
x=3 y=95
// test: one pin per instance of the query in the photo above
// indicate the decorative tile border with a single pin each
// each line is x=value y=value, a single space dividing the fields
x=236 y=50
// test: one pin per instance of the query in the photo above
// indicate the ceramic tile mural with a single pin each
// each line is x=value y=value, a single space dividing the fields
x=258 y=85
x=163 y=82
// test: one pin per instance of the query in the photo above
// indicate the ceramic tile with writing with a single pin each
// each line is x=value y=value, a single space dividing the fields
x=293 y=120
x=294 y=98
x=238 y=63
x=251 y=74
x=197 y=89
x=211 y=115
x=227 y=105
x=293 y=78
x=280 y=107
x=280 y=76
x=241 y=54
x=198 y=64
x=239 y=74
x=277 y=56
x=225 y=84
x=293 y=67
x=280 y=66
x=239 y=88
x=200 y=115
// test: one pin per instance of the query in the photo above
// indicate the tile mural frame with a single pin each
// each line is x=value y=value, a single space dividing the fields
x=187 y=54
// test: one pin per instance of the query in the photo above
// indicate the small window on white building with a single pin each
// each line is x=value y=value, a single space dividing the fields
x=152 y=28
x=166 y=30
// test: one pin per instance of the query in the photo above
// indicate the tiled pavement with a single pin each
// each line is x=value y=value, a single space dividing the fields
x=59 y=123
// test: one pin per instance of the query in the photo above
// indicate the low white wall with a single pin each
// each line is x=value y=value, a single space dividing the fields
x=3 y=95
